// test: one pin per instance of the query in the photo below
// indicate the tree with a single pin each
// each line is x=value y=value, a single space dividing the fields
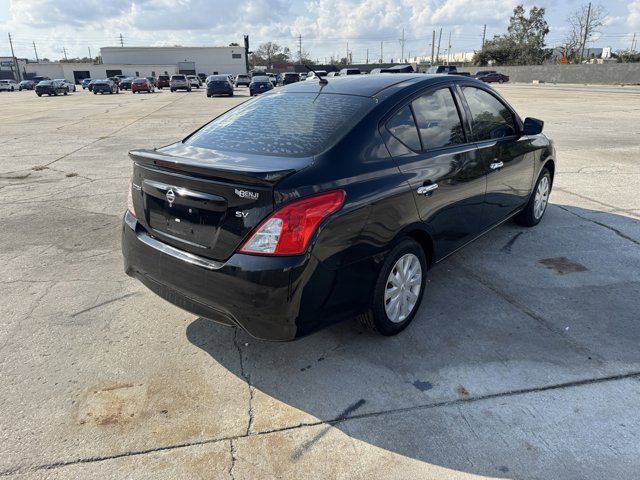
x=234 y=44
x=78 y=60
x=269 y=53
x=628 y=56
x=523 y=44
x=584 y=25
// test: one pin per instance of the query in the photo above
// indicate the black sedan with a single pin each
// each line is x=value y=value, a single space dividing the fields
x=219 y=85
x=26 y=85
x=260 y=85
x=339 y=208
x=493 y=77
x=104 y=86
x=125 y=83
x=51 y=87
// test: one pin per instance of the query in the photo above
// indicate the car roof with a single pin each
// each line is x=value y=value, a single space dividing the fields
x=365 y=85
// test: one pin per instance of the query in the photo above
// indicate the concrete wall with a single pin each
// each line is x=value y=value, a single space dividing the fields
x=611 y=73
x=207 y=59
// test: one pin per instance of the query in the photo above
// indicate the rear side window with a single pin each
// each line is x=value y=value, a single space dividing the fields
x=284 y=124
x=491 y=118
x=438 y=119
x=403 y=127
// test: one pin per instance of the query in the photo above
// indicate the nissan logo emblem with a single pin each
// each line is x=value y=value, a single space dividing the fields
x=171 y=196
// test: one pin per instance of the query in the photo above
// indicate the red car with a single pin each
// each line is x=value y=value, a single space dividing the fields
x=142 y=85
x=163 y=81
x=491 y=77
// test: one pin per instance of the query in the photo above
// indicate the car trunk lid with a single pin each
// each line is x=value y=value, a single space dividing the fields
x=202 y=201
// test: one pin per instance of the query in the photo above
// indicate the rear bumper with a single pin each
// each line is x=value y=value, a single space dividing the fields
x=263 y=295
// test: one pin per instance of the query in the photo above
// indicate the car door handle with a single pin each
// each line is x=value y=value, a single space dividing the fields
x=496 y=165
x=427 y=189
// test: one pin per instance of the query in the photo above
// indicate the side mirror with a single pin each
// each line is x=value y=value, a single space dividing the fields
x=532 y=126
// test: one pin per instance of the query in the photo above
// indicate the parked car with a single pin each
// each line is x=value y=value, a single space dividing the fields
x=272 y=79
x=105 y=86
x=164 y=81
x=350 y=71
x=333 y=74
x=70 y=85
x=26 y=85
x=142 y=85
x=153 y=80
x=493 y=77
x=289 y=77
x=219 y=85
x=194 y=81
x=115 y=80
x=8 y=85
x=242 y=79
x=312 y=76
x=179 y=82
x=37 y=79
x=202 y=77
x=481 y=73
x=90 y=85
x=303 y=75
x=260 y=85
x=294 y=210
x=125 y=83
x=442 y=69
x=51 y=87
x=85 y=83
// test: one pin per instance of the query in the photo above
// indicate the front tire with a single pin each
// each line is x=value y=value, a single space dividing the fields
x=398 y=290
x=537 y=205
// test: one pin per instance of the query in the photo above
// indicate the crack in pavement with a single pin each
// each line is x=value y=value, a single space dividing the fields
x=608 y=227
x=247 y=379
x=232 y=451
x=335 y=421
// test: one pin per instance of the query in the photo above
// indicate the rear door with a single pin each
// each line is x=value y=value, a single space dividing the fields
x=441 y=165
x=504 y=152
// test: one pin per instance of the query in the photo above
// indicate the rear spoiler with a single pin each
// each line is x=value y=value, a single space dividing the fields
x=218 y=167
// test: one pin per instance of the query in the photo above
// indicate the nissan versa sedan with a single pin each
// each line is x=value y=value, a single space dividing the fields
x=104 y=86
x=51 y=87
x=338 y=209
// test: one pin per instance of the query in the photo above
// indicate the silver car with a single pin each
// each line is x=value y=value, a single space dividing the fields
x=71 y=86
x=179 y=82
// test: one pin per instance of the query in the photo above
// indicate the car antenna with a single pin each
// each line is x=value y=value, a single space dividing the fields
x=322 y=80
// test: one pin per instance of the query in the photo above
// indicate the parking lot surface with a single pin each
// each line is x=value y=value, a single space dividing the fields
x=523 y=361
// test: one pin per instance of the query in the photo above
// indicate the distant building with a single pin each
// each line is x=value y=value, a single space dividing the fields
x=144 y=62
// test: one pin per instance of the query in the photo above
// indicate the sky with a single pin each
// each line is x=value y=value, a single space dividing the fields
x=326 y=26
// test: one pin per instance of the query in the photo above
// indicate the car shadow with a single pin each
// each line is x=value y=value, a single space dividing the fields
x=508 y=342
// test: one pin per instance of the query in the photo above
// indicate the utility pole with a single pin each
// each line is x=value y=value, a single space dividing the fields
x=300 y=49
x=439 y=40
x=121 y=41
x=586 y=32
x=433 y=46
x=402 y=46
x=346 y=59
x=484 y=34
x=64 y=50
x=36 y=52
x=89 y=52
x=449 y=49
x=367 y=56
x=381 y=56
x=15 y=60
x=633 y=42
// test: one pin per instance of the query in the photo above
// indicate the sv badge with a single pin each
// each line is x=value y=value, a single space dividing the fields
x=241 y=214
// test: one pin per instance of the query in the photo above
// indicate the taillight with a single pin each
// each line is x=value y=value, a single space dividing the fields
x=288 y=230
x=130 y=206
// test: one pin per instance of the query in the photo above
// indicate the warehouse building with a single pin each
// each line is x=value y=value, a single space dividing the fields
x=144 y=62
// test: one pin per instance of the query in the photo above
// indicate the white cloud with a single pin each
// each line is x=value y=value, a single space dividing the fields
x=633 y=20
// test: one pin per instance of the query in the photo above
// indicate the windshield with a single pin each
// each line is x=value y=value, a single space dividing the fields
x=299 y=124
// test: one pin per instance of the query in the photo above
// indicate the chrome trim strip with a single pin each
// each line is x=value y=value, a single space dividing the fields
x=177 y=253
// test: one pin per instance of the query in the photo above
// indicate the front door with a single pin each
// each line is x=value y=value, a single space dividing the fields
x=442 y=167
x=505 y=153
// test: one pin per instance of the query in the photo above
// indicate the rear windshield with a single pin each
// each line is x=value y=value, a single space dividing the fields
x=178 y=77
x=283 y=124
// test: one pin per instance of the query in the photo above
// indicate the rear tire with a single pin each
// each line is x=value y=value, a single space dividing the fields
x=537 y=205
x=403 y=272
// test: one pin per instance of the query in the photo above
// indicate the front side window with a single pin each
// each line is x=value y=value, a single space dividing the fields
x=491 y=118
x=403 y=127
x=438 y=119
